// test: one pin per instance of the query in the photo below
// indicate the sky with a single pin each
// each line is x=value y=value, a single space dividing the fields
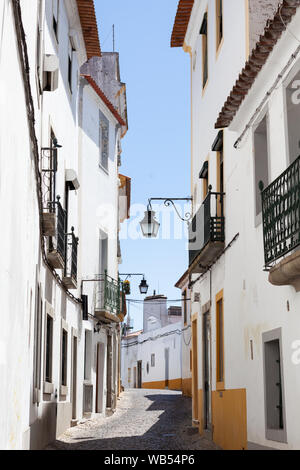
x=156 y=149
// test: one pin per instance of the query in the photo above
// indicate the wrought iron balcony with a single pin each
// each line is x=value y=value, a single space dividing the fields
x=70 y=274
x=109 y=298
x=281 y=214
x=57 y=241
x=207 y=233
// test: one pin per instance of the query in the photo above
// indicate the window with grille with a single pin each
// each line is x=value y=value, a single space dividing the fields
x=104 y=141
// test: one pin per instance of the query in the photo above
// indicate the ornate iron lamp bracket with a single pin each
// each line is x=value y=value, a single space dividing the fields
x=170 y=201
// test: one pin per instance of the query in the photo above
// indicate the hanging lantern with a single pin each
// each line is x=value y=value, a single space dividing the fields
x=149 y=225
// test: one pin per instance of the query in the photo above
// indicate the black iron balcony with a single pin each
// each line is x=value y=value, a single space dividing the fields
x=57 y=242
x=281 y=214
x=70 y=274
x=109 y=298
x=207 y=233
x=49 y=169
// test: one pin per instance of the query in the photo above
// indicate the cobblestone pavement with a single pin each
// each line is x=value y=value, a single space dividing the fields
x=144 y=420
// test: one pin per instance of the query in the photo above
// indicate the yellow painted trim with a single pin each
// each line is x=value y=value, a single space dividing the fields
x=194 y=317
x=205 y=48
x=187 y=387
x=174 y=384
x=229 y=419
x=247 y=29
x=187 y=49
x=220 y=385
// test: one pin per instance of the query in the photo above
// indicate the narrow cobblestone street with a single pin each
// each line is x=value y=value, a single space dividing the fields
x=144 y=420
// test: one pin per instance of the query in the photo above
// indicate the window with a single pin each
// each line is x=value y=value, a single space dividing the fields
x=49 y=349
x=70 y=65
x=293 y=117
x=203 y=32
x=152 y=360
x=55 y=11
x=129 y=376
x=219 y=21
x=104 y=141
x=220 y=341
x=37 y=343
x=87 y=355
x=64 y=357
x=274 y=392
x=261 y=160
x=218 y=147
x=184 y=308
x=204 y=175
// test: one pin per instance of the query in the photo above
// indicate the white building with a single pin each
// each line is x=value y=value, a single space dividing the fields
x=48 y=201
x=152 y=358
x=186 y=337
x=244 y=354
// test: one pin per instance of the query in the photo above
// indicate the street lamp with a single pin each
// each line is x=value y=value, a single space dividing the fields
x=143 y=285
x=149 y=224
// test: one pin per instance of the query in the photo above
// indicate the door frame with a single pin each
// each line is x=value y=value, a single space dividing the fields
x=195 y=381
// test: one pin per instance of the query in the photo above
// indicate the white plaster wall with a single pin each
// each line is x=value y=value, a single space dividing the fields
x=129 y=358
x=252 y=305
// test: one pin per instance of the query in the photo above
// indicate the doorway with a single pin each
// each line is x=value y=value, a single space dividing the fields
x=100 y=377
x=195 y=370
x=139 y=374
x=167 y=355
x=206 y=367
x=74 y=379
x=109 y=373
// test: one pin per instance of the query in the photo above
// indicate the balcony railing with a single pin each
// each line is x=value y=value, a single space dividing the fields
x=109 y=295
x=207 y=231
x=70 y=275
x=281 y=214
x=57 y=241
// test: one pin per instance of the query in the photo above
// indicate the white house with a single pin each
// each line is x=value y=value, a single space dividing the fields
x=152 y=358
x=52 y=208
x=245 y=380
x=186 y=337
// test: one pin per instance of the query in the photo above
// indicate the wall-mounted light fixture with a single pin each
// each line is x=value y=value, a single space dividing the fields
x=150 y=226
x=143 y=285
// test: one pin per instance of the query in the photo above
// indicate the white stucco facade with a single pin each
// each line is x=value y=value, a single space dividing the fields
x=254 y=312
x=50 y=367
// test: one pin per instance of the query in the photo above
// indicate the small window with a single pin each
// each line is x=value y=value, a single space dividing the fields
x=203 y=32
x=129 y=375
x=219 y=21
x=55 y=5
x=274 y=393
x=147 y=367
x=220 y=340
x=49 y=349
x=152 y=360
x=70 y=65
x=64 y=357
x=261 y=160
x=104 y=141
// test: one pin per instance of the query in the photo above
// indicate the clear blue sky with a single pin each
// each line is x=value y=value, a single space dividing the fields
x=156 y=149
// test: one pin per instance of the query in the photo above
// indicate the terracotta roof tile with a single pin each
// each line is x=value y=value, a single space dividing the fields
x=257 y=60
x=181 y=22
x=86 y=9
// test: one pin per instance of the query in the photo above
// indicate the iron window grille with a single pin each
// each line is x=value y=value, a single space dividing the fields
x=71 y=255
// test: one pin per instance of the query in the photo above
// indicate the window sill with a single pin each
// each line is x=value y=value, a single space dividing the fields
x=63 y=390
x=104 y=169
x=48 y=388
